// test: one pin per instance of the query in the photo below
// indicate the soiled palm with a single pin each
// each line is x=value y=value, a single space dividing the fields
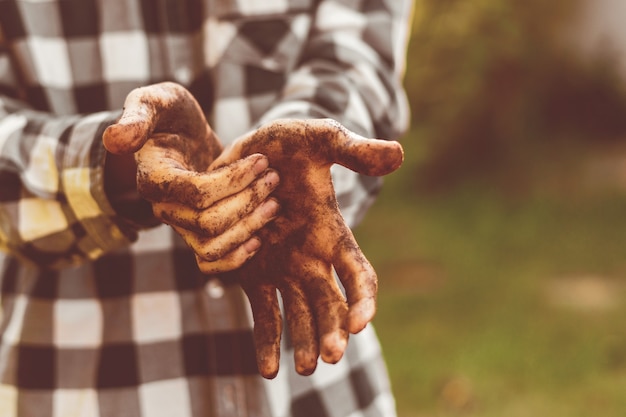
x=307 y=240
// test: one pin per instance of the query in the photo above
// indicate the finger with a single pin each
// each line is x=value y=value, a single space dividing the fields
x=330 y=309
x=231 y=179
x=302 y=329
x=374 y=157
x=222 y=215
x=359 y=280
x=232 y=260
x=161 y=178
x=130 y=132
x=214 y=248
x=233 y=152
x=159 y=107
x=267 y=327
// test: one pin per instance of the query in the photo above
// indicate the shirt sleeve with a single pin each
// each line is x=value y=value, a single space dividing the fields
x=351 y=70
x=53 y=208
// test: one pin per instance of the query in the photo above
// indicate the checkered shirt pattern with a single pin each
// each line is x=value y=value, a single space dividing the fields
x=100 y=319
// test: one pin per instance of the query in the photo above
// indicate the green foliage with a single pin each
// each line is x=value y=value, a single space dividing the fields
x=469 y=316
x=488 y=80
x=471 y=313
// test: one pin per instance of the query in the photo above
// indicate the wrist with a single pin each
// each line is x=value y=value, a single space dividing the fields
x=120 y=186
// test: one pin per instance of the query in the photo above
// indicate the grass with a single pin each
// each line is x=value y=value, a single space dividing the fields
x=468 y=318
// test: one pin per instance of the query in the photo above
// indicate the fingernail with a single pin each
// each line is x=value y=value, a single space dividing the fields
x=272 y=179
x=306 y=362
x=270 y=208
x=361 y=314
x=333 y=346
x=252 y=245
x=267 y=361
x=260 y=165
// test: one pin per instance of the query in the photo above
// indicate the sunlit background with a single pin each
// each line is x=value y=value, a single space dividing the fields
x=501 y=242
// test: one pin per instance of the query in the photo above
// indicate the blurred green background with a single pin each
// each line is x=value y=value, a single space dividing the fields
x=500 y=242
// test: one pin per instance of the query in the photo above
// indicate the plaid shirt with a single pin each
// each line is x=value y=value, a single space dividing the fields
x=100 y=319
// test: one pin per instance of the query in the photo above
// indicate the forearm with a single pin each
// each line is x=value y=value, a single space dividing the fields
x=54 y=209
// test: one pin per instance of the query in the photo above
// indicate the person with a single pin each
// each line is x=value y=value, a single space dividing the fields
x=106 y=311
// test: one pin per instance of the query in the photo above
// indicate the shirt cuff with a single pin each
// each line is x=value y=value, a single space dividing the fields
x=83 y=184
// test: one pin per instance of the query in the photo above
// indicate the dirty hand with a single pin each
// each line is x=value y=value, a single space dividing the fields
x=307 y=240
x=218 y=213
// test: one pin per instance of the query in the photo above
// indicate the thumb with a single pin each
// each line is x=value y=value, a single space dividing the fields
x=130 y=132
x=373 y=157
x=165 y=107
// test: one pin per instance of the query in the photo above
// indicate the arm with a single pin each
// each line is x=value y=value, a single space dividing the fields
x=308 y=240
x=164 y=139
x=350 y=71
x=65 y=199
x=53 y=206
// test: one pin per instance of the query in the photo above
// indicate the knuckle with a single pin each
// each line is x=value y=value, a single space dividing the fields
x=213 y=267
x=167 y=214
x=211 y=253
x=217 y=250
x=221 y=264
x=207 y=267
x=212 y=224
x=248 y=226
